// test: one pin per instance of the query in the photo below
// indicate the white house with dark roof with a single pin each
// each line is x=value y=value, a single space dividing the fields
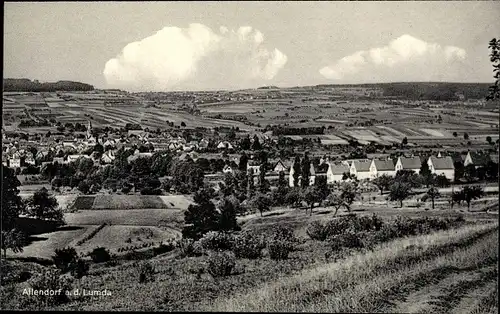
x=382 y=167
x=443 y=165
x=477 y=159
x=336 y=171
x=360 y=169
x=408 y=163
x=228 y=169
x=279 y=166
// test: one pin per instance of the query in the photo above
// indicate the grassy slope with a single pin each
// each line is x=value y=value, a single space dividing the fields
x=266 y=285
x=364 y=281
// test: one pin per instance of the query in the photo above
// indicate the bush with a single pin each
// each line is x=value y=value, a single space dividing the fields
x=65 y=259
x=248 y=245
x=317 y=231
x=80 y=269
x=100 y=255
x=188 y=247
x=146 y=273
x=221 y=264
x=163 y=248
x=281 y=243
x=216 y=241
x=349 y=239
x=279 y=249
x=52 y=281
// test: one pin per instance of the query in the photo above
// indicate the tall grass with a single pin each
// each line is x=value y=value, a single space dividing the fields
x=361 y=282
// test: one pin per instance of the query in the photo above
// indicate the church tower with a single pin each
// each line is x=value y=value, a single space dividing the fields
x=89 y=130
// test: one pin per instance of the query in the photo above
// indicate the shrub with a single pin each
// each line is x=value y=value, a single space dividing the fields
x=163 y=248
x=248 y=245
x=52 y=281
x=349 y=239
x=281 y=243
x=100 y=255
x=221 y=264
x=146 y=273
x=65 y=258
x=188 y=247
x=216 y=241
x=317 y=231
x=279 y=249
x=80 y=269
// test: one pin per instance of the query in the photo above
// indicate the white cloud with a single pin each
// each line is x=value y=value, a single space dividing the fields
x=195 y=57
x=404 y=59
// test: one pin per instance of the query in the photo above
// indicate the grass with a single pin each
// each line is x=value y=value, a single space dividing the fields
x=135 y=217
x=128 y=202
x=332 y=287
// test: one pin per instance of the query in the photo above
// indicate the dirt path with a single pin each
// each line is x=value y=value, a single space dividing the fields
x=458 y=292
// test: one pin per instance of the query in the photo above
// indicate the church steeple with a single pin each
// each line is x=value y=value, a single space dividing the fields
x=89 y=130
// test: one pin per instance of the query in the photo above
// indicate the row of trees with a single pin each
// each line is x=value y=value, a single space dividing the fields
x=40 y=206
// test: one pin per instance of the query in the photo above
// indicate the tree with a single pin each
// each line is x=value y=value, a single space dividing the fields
x=408 y=177
x=455 y=134
x=293 y=197
x=11 y=201
x=492 y=170
x=264 y=185
x=471 y=193
x=84 y=187
x=399 y=191
x=470 y=173
x=256 y=143
x=442 y=181
x=261 y=202
x=336 y=200
x=311 y=195
x=227 y=219
x=383 y=182
x=494 y=90
x=242 y=166
x=404 y=142
x=305 y=170
x=245 y=143
x=433 y=193
x=296 y=171
x=489 y=140
x=251 y=183
x=13 y=239
x=348 y=193
x=44 y=206
x=466 y=136
x=200 y=217
x=425 y=174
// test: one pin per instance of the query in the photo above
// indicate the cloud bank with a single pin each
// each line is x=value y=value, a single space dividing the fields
x=404 y=59
x=195 y=57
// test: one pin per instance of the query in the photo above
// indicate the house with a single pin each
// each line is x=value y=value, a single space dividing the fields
x=279 y=166
x=203 y=144
x=443 y=165
x=336 y=171
x=75 y=157
x=312 y=176
x=108 y=157
x=408 y=163
x=138 y=154
x=29 y=159
x=59 y=160
x=224 y=145
x=228 y=169
x=15 y=160
x=255 y=168
x=380 y=167
x=360 y=169
x=477 y=159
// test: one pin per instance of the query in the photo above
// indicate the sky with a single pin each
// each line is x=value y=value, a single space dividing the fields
x=164 y=46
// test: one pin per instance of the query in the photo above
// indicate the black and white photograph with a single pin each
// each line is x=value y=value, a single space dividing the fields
x=250 y=156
